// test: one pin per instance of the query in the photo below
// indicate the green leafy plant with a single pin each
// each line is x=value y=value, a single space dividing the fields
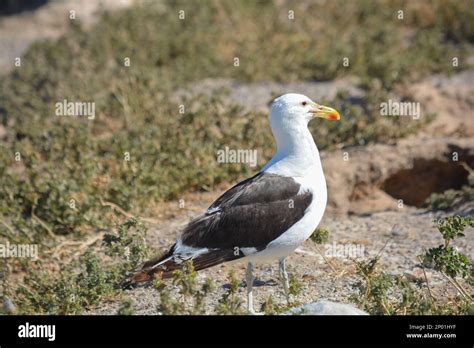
x=126 y=308
x=385 y=294
x=191 y=298
x=374 y=287
x=382 y=293
x=69 y=292
x=320 y=235
x=295 y=286
x=128 y=243
x=446 y=258
x=269 y=307
x=230 y=302
x=451 y=197
x=83 y=283
x=6 y=304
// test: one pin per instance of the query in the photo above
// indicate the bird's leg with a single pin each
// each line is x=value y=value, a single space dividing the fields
x=249 y=280
x=284 y=279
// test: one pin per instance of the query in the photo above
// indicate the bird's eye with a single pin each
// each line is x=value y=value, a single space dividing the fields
x=304 y=103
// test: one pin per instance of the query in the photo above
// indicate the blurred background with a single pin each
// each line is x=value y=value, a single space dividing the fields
x=173 y=82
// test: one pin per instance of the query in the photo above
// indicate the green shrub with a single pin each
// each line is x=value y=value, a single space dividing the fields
x=449 y=198
x=83 y=283
x=126 y=308
x=230 y=302
x=70 y=291
x=191 y=296
x=129 y=244
x=320 y=235
x=446 y=258
x=382 y=293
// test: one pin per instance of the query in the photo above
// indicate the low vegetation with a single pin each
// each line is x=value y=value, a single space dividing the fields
x=446 y=258
x=383 y=293
x=451 y=198
x=83 y=283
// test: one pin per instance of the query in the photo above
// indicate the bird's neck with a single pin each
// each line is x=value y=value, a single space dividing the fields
x=297 y=154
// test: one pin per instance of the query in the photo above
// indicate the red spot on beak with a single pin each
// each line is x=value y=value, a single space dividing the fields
x=333 y=117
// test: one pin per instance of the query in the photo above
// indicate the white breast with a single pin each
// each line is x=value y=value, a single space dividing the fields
x=287 y=242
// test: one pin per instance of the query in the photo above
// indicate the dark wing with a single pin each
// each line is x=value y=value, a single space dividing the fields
x=249 y=215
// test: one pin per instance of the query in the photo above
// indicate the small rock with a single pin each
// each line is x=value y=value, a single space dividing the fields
x=8 y=306
x=398 y=231
x=325 y=307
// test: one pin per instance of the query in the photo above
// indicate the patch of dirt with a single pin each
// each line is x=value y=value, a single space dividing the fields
x=451 y=98
x=374 y=177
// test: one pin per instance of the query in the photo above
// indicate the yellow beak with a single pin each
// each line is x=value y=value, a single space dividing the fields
x=325 y=112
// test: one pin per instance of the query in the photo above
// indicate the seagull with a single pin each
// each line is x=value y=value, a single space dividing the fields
x=265 y=217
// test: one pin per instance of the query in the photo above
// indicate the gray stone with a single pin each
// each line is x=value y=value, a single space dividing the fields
x=325 y=307
x=8 y=307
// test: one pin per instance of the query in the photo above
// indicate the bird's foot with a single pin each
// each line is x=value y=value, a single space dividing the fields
x=253 y=312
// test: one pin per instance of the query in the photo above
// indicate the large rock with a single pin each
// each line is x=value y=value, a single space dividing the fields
x=325 y=307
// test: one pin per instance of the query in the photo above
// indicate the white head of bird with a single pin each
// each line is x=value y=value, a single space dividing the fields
x=300 y=109
x=289 y=118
